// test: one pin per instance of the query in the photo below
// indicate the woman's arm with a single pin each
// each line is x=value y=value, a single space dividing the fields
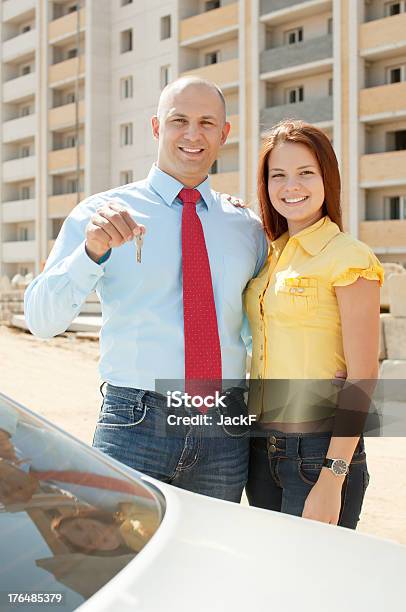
x=359 y=305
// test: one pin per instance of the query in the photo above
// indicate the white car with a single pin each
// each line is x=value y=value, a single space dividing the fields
x=78 y=529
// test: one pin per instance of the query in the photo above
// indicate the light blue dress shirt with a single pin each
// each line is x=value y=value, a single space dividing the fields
x=142 y=339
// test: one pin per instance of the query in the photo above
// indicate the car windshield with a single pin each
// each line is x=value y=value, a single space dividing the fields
x=69 y=518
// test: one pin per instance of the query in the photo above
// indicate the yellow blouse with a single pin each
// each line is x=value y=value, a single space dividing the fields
x=295 y=321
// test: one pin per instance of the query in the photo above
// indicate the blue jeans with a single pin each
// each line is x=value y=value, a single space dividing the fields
x=133 y=429
x=284 y=467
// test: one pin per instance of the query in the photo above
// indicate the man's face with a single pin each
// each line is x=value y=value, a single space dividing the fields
x=190 y=131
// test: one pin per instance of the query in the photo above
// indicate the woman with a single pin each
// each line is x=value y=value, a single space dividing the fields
x=313 y=311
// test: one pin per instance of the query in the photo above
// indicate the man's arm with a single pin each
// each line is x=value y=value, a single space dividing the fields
x=73 y=269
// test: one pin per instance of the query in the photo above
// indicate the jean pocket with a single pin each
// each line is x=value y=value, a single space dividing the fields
x=115 y=416
x=309 y=469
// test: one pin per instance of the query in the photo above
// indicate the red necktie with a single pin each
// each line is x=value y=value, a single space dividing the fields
x=202 y=343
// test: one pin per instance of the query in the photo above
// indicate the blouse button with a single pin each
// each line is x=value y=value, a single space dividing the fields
x=300 y=290
x=293 y=290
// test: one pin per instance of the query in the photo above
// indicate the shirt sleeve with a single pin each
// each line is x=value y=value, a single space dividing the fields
x=54 y=298
x=357 y=261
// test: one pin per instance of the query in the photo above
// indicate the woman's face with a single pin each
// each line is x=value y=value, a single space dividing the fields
x=295 y=185
x=91 y=534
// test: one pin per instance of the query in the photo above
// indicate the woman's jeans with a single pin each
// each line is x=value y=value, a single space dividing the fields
x=284 y=467
x=208 y=459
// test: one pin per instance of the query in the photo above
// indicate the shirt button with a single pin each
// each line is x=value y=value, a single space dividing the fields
x=272 y=440
x=272 y=448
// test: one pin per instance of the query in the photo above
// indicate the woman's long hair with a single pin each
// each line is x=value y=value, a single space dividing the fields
x=292 y=130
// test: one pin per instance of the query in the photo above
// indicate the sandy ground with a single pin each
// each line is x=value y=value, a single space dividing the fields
x=59 y=379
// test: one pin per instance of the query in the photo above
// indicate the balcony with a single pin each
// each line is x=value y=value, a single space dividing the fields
x=19 y=88
x=383 y=234
x=280 y=11
x=315 y=52
x=64 y=160
x=59 y=206
x=19 y=46
x=66 y=26
x=20 y=210
x=19 y=129
x=383 y=37
x=21 y=9
x=316 y=110
x=66 y=71
x=383 y=102
x=225 y=182
x=224 y=74
x=214 y=26
x=383 y=169
x=19 y=251
x=65 y=116
x=19 y=169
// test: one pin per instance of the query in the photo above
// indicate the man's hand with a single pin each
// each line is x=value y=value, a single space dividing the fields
x=237 y=202
x=7 y=450
x=111 y=226
x=15 y=485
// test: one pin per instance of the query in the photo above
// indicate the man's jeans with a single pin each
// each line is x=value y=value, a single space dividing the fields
x=206 y=459
x=284 y=467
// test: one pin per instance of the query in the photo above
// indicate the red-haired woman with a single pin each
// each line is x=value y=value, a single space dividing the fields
x=313 y=311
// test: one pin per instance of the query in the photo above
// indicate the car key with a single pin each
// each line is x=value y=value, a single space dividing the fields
x=139 y=240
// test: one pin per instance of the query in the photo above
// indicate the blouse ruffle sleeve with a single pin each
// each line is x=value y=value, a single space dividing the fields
x=358 y=261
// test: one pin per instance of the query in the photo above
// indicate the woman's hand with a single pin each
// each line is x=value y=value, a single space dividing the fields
x=324 y=500
x=237 y=202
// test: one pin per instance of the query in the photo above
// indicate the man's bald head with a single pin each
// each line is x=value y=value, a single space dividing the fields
x=181 y=84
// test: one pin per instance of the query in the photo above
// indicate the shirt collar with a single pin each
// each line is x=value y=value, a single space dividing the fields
x=313 y=238
x=168 y=187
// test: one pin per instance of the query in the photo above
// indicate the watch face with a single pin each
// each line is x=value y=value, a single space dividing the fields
x=339 y=467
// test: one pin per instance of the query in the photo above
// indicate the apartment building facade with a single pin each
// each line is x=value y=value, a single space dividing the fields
x=80 y=80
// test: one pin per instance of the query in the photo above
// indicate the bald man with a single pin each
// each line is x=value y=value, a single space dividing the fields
x=172 y=311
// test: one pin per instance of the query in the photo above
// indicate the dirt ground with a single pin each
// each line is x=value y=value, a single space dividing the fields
x=59 y=379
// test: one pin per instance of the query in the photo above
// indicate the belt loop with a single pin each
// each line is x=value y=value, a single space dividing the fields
x=292 y=446
x=101 y=388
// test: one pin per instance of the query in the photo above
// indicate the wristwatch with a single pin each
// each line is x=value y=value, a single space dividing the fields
x=339 y=467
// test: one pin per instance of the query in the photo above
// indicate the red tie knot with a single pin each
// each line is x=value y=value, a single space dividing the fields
x=189 y=196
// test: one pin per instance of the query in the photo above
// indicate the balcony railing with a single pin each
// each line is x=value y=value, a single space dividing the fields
x=19 y=169
x=223 y=73
x=382 y=100
x=376 y=37
x=306 y=52
x=211 y=24
x=19 y=210
x=65 y=159
x=66 y=26
x=316 y=110
x=19 y=88
x=59 y=206
x=19 y=46
x=19 y=251
x=19 y=129
x=381 y=169
x=383 y=233
x=66 y=70
x=12 y=9
x=64 y=116
x=226 y=182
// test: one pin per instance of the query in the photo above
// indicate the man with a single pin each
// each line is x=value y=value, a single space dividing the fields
x=172 y=313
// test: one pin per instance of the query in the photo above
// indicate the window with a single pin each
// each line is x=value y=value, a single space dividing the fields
x=293 y=36
x=126 y=134
x=396 y=74
x=25 y=151
x=211 y=5
x=72 y=185
x=70 y=141
x=25 y=192
x=294 y=94
x=330 y=25
x=23 y=233
x=394 y=208
x=56 y=227
x=72 y=8
x=25 y=111
x=165 y=75
x=396 y=141
x=23 y=270
x=72 y=53
x=126 y=41
x=70 y=97
x=125 y=2
x=215 y=167
x=25 y=69
x=212 y=58
x=25 y=29
x=165 y=27
x=126 y=176
x=126 y=87
x=393 y=8
x=330 y=87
